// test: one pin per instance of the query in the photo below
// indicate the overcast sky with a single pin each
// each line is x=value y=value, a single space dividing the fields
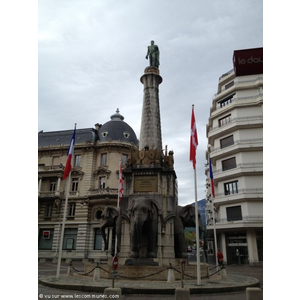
x=91 y=55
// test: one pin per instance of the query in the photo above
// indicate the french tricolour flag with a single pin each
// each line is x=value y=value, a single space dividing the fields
x=70 y=156
x=211 y=179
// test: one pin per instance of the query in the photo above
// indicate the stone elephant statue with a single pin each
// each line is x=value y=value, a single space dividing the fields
x=111 y=217
x=143 y=227
x=185 y=217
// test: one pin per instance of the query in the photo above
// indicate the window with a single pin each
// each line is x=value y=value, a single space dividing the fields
x=228 y=85
x=228 y=141
x=228 y=164
x=77 y=160
x=231 y=188
x=234 y=213
x=103 y=161
x=224 y=121
x=45 y=241
x=98 y=239
x=52 y=185
x=226 y=100
x=124 y=159
x=75 y=184
x=48 y=210
x=71 y=209
x=101 y=182
x=70 y=239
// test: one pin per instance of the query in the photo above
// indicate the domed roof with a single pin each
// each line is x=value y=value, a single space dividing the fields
x=116 y=129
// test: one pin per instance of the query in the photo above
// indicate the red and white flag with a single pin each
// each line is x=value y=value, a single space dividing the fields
x=194 y=140
x=120 y=183
x=70 y=156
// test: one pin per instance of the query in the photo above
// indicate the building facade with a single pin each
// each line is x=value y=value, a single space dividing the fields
x=94 y=185
x=235 y=146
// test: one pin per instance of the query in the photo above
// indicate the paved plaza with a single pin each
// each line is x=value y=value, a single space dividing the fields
x=83 y=287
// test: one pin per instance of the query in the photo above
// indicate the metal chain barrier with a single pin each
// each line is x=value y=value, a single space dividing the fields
x=146 y=276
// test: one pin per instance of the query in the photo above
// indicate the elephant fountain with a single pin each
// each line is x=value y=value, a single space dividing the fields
x=111 y=218
x=143 y=227
x=185 y=217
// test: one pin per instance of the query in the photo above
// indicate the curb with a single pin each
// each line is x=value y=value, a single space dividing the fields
x=209 y=287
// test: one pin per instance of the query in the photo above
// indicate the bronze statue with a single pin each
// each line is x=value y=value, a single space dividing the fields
x=153 y=53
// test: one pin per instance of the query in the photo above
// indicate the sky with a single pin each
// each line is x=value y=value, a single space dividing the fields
x=91 y=55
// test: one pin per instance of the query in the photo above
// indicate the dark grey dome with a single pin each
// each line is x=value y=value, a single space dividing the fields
x=116 y=129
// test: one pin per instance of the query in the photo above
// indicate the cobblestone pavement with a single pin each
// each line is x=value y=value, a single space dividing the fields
x=235 y=274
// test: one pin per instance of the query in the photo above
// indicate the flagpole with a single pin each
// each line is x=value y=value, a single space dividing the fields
x=193 y=147
x=63 y=228
x=197 y=231
x=118 y=203
x=67 y=172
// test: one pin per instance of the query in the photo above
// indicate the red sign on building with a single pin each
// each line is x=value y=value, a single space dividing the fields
x=248 y=61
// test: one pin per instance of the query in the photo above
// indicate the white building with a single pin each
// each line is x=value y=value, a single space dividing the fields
x=235 y=146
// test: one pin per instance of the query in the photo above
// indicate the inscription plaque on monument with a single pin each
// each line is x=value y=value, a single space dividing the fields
x=145 y=183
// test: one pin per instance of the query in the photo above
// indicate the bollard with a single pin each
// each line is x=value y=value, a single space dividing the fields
x=171 y=276
x=182 y=294
x=254 y=293
x=70 y=272
x=223 y=273
x=97 y=273
x=113 y=292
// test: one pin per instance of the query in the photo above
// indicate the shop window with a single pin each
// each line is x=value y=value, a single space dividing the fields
x=70 y=239
x=45 y=239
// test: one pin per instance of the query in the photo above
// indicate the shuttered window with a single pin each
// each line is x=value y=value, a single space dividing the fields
x=234 y=213
x=228 y=141
x=228 y=164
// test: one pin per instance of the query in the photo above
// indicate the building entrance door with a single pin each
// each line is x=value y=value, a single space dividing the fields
x=238 y=255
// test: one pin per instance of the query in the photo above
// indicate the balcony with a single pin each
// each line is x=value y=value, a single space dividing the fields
x=53 y=170
x=236 y=147
x=239 y=170
x=246 y=221
x=50 y=194
x=234 y=124
x=241 y=195
x=100 y=192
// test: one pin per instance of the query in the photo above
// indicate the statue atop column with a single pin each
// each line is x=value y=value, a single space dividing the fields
x=153 y=54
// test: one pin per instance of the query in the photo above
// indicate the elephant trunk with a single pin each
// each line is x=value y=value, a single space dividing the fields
x=139 y=229
x=102 y=230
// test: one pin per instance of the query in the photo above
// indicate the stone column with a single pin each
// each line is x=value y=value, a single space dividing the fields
x=150 y=135
x=58 y=187
x=40 y=184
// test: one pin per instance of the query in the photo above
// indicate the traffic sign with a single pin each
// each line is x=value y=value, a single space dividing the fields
x=115 y=263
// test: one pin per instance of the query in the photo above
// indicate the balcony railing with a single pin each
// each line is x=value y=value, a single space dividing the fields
x=238 y=142
x=241 y=191
x=244 y=218
x=106 y=191
x=243 y=165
